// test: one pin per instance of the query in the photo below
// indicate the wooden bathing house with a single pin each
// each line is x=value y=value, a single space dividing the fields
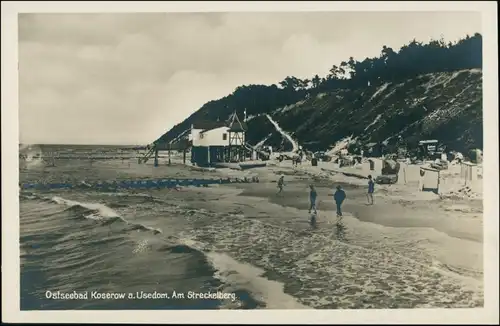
x=218 y=141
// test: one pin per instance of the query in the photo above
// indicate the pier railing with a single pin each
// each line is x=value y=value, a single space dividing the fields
x=155 y=146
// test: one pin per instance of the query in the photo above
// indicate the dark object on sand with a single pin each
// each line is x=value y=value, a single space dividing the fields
x=476 y=156
x=372 y=165
x=387 y=179
x=322 y=156
x=297 y=160
x=441 y=165
x=245 y=166
x=390 y=167
x=415 y=161
x=314 y=161
x=345 y=162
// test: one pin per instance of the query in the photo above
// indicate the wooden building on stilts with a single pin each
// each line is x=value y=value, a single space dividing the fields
x=218 y=141
x=210 y=142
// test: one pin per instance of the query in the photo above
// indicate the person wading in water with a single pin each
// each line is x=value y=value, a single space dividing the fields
x=281 y=183
x=339 y=197
x=312 y=198
x=371 y=190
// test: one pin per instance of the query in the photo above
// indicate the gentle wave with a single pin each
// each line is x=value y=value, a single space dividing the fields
x=234 y=276
x=101 y=212
x=235 y=273
x=318 y=261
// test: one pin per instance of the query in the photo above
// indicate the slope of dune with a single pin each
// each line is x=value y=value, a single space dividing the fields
x=445 y=106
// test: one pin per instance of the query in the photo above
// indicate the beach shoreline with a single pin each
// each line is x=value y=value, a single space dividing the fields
x=404 y=197
x=428 y=233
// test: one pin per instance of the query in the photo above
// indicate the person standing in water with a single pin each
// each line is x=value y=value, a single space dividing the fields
x=312 y=198
x=281 y=183
x=371 y=190
x=339 y=197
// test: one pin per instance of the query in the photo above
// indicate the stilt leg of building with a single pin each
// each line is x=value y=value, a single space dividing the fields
x=169 y=160
x=156 y=157
x=184 y=156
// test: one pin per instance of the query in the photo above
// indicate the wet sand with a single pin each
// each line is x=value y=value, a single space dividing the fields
x=427 y=267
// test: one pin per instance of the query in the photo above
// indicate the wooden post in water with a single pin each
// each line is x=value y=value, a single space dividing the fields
x=169 y=149
x=208 y=150
x=156 y=156
x=53 y=159
x=184 y=156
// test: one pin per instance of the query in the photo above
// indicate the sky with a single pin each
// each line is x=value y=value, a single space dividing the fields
x=127 y=78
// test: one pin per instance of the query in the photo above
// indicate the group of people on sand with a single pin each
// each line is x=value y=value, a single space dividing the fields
x=339 y=196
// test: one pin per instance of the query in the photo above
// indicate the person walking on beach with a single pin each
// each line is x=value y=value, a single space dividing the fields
x=281 y=183
x=312 y=198
x=339 y=197
x=371 y=190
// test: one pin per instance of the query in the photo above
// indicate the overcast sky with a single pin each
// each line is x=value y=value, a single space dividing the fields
x=127 y=78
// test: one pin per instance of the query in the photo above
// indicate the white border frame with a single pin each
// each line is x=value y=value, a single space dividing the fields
x=10 y=196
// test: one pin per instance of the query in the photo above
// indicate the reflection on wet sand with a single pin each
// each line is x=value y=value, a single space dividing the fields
x=340 y=230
